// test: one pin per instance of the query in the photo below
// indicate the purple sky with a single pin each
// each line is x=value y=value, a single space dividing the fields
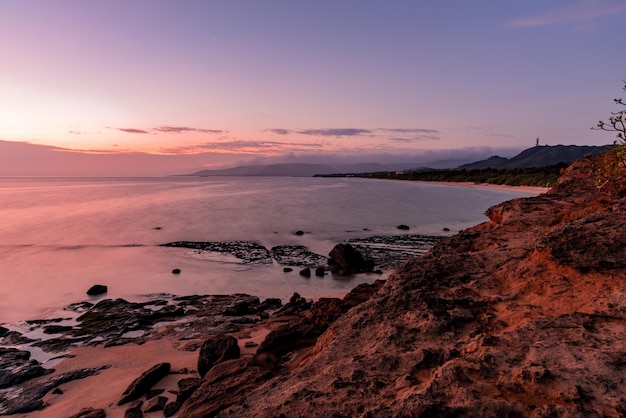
x=206 y=83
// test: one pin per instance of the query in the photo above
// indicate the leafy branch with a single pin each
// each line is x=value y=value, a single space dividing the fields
x=612 y=169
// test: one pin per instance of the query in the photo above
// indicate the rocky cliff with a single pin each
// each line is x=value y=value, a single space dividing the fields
x=524 y=315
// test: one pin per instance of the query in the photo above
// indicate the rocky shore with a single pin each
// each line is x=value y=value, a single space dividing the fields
x=519 y=316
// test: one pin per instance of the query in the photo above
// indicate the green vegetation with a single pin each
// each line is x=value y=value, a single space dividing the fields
x=611 y=170
x=529 y=176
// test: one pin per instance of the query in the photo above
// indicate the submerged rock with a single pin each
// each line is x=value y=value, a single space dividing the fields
x=97 y=289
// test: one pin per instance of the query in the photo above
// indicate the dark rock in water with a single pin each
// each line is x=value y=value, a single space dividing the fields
x=176 y=271
x=388 y=251
x=225 y=384
x=403 y=227
x=296 y=255
x=345 y=260
x=446 y=229
x=287 y=269
x=57 y=391
x=320 y=272
x=248 y=252
x=3 y=331
x=156 y=404
x=90 y=413
x=15 y=338
x=110 y=319
x=144 y=383
x=56 y=329
x=217 y=349
x=16 y=367
x=299 y=232
x=157 y=228
x=27 y=397
x=97 y=289
x=306 y=272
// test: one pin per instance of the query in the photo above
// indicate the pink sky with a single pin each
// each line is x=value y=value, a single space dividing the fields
x=211 y=83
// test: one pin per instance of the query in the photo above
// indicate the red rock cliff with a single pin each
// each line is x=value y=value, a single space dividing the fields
x=524 y=315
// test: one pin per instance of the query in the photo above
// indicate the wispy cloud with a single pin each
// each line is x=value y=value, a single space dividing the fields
x=279 y=131
x=336 y=132
x=583 y=12
x=397 y=134
x=244 y=146
x=185 y=129
x=169 y=130
x=132 y=130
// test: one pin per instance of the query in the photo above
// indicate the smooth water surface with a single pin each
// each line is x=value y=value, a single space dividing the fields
x=60 y=236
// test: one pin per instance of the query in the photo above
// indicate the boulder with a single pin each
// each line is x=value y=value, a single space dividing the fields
x=224 y=385
x=97 y=289
x=305 y=272
x=320 y=272
x=144 y=383
x=403 y=227
x=217 y=349
x=176 y=271
x=345 y=260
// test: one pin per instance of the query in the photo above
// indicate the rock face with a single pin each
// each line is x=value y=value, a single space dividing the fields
x=520 y=316
x=215 y=350
x=144 y=383
x=345 y=260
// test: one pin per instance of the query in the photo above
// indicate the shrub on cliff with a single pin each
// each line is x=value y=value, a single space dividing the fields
x=611 y=169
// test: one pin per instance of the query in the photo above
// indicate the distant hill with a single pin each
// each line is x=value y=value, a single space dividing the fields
x=540 y=156
x=309 y=170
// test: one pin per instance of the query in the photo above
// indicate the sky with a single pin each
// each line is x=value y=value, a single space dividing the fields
x=155 y=87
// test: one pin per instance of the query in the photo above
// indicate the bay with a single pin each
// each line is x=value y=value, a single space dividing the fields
x=60 y=236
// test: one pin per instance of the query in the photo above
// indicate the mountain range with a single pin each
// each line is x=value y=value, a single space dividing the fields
x=539 y=156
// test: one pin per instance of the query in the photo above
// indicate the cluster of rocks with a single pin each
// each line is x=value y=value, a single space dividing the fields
x=213 y=323
x=355 y=256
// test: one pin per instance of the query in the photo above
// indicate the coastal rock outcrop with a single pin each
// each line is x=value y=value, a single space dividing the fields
x=345 y=259
x=519 y=316
x=144 y=383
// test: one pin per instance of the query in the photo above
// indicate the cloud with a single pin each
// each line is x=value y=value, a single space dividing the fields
x=279 y=131
x=416 y=138
x=243 y=146
x=132 y=130
x=583 y=12
x=169 y=130
x=336 y=132
x=76 y=132
x=184 y=129
x=404 y=135
x=411 y=130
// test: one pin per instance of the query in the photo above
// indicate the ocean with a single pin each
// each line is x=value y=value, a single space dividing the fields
x=60 y=236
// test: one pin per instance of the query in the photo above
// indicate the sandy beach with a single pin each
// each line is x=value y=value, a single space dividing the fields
x=521 y=189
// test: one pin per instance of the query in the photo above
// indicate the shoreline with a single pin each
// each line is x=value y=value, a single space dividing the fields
x=504 y=187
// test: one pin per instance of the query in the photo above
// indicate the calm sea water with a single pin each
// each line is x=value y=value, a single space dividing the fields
x=60 y=236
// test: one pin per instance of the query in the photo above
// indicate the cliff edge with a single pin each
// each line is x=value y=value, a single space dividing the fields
x=523 y=315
